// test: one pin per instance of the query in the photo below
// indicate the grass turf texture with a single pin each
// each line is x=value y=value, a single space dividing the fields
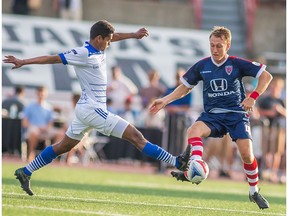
x=84 y=191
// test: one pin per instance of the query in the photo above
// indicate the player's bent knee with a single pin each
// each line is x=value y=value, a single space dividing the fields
x=194 y=132
x=135 y=137
x=247 y=158
x=65 y=145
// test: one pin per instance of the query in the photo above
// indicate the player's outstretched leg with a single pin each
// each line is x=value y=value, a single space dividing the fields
x=24 y=180
x=259 y=200
x=183 y=158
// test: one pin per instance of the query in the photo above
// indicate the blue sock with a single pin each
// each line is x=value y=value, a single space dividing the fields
x=44 y=158
x=159 y=153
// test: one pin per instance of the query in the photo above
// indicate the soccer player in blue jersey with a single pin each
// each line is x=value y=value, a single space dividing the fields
x=226 y=105
x=89 y=62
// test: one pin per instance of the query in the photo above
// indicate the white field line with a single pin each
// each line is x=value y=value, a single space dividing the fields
x=62 y=210
x=146 y=204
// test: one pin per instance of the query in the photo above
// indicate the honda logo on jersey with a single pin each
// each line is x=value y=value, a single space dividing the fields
x=229 y=69
x=218 y=85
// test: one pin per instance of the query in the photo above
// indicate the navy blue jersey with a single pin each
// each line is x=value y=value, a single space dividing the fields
x=223 y=89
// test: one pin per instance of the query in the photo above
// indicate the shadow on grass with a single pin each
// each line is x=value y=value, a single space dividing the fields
x=144 y=191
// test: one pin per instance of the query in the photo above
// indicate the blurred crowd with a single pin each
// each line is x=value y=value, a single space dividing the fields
x=65 y=9
x=43 y=124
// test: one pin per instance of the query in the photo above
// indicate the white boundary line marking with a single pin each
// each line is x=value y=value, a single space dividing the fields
x=62 y=210
x=144 y=204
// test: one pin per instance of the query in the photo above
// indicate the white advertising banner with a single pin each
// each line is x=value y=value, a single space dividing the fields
x=165 y=50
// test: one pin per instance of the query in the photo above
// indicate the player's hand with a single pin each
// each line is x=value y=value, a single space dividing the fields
x=248 y=104
x=143 y=32
x=11 y=59
x=156 y=105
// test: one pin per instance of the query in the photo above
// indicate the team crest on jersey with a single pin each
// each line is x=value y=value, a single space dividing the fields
x=229 y=69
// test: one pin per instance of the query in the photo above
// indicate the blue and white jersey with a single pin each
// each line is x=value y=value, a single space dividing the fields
x=90 y=68
x=223 y=89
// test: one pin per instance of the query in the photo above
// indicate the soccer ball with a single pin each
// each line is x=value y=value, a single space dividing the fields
x=197 y=172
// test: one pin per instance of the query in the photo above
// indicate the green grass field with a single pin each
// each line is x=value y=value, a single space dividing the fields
x=81 y=191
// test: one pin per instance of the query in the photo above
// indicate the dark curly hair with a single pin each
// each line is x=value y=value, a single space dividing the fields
x=103 y=28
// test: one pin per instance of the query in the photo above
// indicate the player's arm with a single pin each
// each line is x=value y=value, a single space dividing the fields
x=160 y=103
x=143 y=32
x=263 y=82
x=51 y=59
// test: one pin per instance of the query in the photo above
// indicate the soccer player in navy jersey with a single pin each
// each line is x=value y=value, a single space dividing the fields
x=226 y=106
x=89 y=63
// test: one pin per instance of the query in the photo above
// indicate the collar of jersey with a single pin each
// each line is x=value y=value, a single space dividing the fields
x=218 y=65
x=92 y=49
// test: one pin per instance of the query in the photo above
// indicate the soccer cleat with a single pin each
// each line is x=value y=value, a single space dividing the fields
x=179 y=176
x=183 y=158
x=259 y=200
x=24 y=180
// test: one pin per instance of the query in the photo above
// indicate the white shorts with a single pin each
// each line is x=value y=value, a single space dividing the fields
x=89 y=117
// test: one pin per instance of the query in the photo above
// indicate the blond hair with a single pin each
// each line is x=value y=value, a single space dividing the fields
x=221 y=31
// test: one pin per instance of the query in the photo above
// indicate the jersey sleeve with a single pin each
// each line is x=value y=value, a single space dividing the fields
x=250 y=68
x=192 y=76
x=77 y=56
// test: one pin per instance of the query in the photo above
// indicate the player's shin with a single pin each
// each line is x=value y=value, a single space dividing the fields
x=159 y=153
x=197 y=147
x=251 y=171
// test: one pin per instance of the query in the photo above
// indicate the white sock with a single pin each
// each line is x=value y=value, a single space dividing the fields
x=253 y=189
